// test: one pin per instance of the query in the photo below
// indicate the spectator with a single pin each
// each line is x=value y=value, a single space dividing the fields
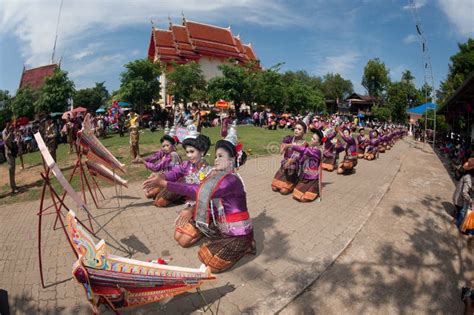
x=461 y=197
x=8 y=136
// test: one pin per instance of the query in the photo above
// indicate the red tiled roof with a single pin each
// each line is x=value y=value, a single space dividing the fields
x=193 y=40
x=183 y=42
x=34 y=78
x=166 y=49
x=250 y=53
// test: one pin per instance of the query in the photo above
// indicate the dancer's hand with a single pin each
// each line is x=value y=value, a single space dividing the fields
x=153 y=181
x=288 y=163
x=184 y=217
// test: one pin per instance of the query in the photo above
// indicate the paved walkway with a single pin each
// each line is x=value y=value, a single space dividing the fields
x=406 y=259
x=296 y=242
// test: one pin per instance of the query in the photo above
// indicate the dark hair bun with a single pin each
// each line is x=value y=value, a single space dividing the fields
x=168 y=138
x=201 y=143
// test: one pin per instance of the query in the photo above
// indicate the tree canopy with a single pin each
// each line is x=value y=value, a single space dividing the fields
x=186 y=82
x=376 y=78
x=140 y=83
x=462 y=64
x=92 y=98
x=55 y=94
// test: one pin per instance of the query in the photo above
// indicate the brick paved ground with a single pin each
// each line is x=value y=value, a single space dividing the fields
x=296 y=242
x=406 y=259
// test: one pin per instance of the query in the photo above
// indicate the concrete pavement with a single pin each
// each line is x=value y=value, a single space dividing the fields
x=408 y=259
x=296 y=242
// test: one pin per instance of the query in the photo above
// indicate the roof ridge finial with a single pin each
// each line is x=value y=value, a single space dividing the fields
x=152 y=23
x=170 y=21
x=184 y=18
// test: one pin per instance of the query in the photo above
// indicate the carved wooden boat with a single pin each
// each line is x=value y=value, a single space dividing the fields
x=120 y=282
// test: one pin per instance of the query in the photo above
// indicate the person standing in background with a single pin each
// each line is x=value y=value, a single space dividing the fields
x=8 y=136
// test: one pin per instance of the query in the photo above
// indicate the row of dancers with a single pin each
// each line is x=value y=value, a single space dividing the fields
x=215 y=203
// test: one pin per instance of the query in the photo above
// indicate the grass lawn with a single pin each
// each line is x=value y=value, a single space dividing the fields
x=260 y=141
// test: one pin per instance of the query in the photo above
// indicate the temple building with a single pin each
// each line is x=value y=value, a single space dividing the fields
x=34 y=78
x=208 y=45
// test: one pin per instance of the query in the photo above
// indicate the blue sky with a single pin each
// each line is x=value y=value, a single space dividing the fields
x=96 y=38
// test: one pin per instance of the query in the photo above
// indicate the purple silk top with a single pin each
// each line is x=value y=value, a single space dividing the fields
x=362 y=140
x=328 y=145
x=350 y=144
x=232 y=195
x=310 y=160
x=161 y=161
x=188 y=170
x=290 y=153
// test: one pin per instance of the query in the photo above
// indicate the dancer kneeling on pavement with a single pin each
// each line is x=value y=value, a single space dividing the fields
x=192 y=171
x=462 y=199
x=286 y=177
x=221 y=211
x=162 y=160
x=350 y=159
x=307 y=188
x=372 y=149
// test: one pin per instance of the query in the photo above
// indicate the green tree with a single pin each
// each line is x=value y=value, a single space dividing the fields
x=425 y=93
x=376 y=78
x=382 y=113
x=462 y=64
x=23 y=104
x=140 y=83
x=301 y=96
x=401 y=96
x=5 y=107
x=233 y=85
x=269 y=88
x=407 y=77
x=334 y=87
x=92 y=98
x=56 y=92
x=186 y=83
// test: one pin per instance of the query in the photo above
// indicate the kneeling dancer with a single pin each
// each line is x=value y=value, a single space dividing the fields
x=220 y=213
x=286 y=177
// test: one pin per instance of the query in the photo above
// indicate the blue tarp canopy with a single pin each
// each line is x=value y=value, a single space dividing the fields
x=100 y=110
x=360 y=115
x=421 y=109
x=124 y=104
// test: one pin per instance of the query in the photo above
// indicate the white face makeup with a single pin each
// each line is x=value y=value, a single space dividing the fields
x=223 y=161
x=166 y=146
x=299 y=131
x=193 y=154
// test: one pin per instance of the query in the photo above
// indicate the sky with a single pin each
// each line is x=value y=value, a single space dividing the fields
x=96 y=38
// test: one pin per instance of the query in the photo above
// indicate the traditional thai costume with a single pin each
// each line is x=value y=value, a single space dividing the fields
x=220 y=214
x=307 y=188
x=329 y=155
x=187 y=171
x=372 y=150
x=362 y=143
x=350 y=158
x=287 y=176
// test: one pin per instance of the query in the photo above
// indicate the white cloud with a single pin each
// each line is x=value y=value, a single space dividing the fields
x=460 y=14
x=341 y=64
x=34 y=22
x=416 y=3
x=409 y=39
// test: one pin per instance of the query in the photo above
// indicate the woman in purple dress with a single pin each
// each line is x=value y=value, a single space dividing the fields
x=362 y=142
x=286 y=177
x=307 y=188
x=350 y=158
x=329 y=150
x=372 y=149
x=190 y=171
x=162 y=160
x=220 y=213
